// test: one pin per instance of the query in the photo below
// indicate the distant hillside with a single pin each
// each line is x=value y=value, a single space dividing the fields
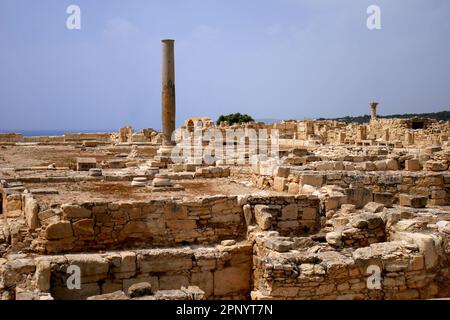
x=442 y=115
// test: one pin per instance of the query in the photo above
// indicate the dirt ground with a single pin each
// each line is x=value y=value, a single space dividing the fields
x=123 y=191
x=33 y=155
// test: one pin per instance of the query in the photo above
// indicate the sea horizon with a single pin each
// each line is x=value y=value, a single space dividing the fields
x=54 y=132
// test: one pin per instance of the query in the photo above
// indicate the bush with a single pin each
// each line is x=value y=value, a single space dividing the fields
x=235 y=118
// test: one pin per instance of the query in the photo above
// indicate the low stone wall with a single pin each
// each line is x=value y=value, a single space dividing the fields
x=45 y=139
x=100 y=225
x=212 y=172
x=406 y=272
x=11 y=137
x=222 y=272
x=436 y=186
x=289 y=215
x=102 y=137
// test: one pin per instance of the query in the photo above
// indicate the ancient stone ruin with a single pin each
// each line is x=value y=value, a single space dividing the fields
x=330 y=211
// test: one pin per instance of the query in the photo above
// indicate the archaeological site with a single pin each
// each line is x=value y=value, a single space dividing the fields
x=292 y=210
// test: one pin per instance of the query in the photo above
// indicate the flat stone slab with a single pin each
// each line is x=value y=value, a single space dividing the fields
x=166 y=189
x=44 y=191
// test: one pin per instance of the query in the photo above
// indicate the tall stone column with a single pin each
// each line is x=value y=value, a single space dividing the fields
x=373 y=109
x=168 y=89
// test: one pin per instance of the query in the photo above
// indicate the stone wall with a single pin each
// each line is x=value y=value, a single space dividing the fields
x=222 y=272
x=407 y=271
x=99 y=225
x=435 y=186
x=289 y=215
x=103 y=137
x=44 y=139
x=11 y=137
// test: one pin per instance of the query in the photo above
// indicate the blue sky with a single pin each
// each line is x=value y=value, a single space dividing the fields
x=281 y=59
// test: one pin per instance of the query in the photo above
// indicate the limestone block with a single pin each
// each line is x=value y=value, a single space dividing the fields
x=279 y=184
x=432 y=149
x=436 y=165
x=31 y=209
x=75 y=211
x=116 y=295
x=443 y=226
x=232 y=280
x=315 y=180
x=153 y=280
x=413 y=201
x=385 y=198
x=334 y=202
x=263 y=217
x=156 y=261
x=293 y=188
x=139 y=290
x=43 y=274
x=309 y=213
x=366 y=221
x=13 y=202
x=339 y=165
x=348 y=208
x=171 y=282
x=334 y=238
x=87 y=290
x=93 y=267
x=282 y=172
x=391 y=164
x=278 y=245
x=205 y=281
x=381 y=165
x=125 y=266
x=84 y=227
x=59 y=230
x=248 y=215
x=428 y=246
x=413 y=165
x=289 y=212
x=358 y=196
x=373 y=207
x=306 y=189
x=369 y=166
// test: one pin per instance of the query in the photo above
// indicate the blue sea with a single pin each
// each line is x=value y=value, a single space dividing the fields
x=32 y=133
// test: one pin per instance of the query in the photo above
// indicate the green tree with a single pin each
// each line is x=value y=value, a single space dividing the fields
x=233 y=118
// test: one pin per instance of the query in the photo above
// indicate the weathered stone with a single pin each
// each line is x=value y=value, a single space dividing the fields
x=140 y=289
x=289 y=212
x=75 y=211
x=315 y=180
x=93 y=267
x=413 y=201
x=279 y=184
x=248 y=215
x=31 y=209
x=83 y=227
x=334 y=238
x=59 y=230
x=373 y=207
x=232 y=280
x=412 y=165
x=293 y=188
x=117 y=295
x=263 y=217
x=391 y=164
